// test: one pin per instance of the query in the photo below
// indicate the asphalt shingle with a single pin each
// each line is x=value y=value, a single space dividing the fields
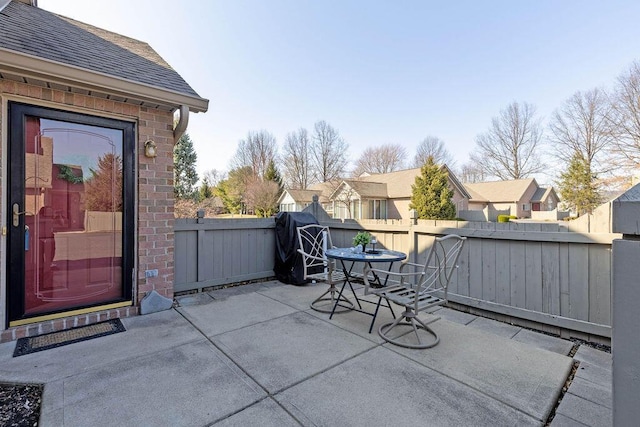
x=33 y=31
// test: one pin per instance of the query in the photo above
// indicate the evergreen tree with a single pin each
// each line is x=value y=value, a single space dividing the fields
x=577 y=186
x=206 y=190
x=184 y=168
x=272 y=174
x=431 y=195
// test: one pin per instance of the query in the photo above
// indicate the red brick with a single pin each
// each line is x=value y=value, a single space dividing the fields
x=80 y=100
x=8 y=86
x=20 y=332
x=58 y=96
x=58 y=324
x=32 y=330
x=45 y=328
x=90 y=102
x=6 y=336
x=35 y=91
x=118 y=108
x=22 y=90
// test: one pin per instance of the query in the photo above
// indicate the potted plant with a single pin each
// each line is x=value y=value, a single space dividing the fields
x=362 y=238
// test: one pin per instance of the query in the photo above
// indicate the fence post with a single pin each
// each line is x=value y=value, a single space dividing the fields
x=412 y=247
x=625 y=343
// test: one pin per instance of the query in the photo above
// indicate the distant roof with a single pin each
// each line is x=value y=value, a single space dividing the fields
x=543 y=193
x=499 y=191
x=369 y=190
x=475 y=196
x=392 y=185
x=35 y=32
x=324 y=188
x=399 y=183
x=305 y=196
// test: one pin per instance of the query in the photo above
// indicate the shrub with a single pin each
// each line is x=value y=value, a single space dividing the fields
x=504 y=218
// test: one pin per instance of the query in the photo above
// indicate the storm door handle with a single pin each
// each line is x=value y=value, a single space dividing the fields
x=16 y=214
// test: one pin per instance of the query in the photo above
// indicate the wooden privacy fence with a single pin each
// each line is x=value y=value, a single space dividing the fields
x=213 y=252
x=535 y=272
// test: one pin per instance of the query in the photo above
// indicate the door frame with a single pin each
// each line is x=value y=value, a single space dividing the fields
x=16 y=110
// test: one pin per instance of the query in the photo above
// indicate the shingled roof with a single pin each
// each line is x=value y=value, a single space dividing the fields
x=367 y=190
x=399 y=183
x=306 y=196
x=36 y=33
x=499 y=191
x=542 y=193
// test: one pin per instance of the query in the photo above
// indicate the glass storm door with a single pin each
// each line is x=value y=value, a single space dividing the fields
x=70 y=206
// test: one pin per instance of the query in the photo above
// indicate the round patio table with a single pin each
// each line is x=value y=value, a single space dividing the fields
x=346 y=255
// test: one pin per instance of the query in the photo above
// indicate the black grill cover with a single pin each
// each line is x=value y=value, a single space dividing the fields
x=288 y=266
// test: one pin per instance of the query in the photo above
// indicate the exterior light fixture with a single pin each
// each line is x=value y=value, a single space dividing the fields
x=150 y=149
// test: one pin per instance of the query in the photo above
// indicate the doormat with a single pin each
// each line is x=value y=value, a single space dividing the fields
x=58 y=339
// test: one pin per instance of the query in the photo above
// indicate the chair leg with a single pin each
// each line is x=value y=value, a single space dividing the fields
x=317 y=306
x=375 y=313
x=416 y=325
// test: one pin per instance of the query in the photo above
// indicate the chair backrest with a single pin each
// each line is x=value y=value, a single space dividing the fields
x=313 y=241
x=440 y=264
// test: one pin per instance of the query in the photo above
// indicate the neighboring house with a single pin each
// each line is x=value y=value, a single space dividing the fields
x=399 y=190
x=292 y=200
x=87 y=117
x=360 y=200
x=544 y=199
x=519 y=197
x=379 y=196
x=296 y=200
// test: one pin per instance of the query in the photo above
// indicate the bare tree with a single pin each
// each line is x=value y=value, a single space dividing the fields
x=296 y=160
x=582 y=128
x=432 y=146
x=625 y=114
x=329 y=152
x=383 y=159
x=471 y=172
x=509 y=149
x=214 y=176
x=257 y=150
x=262 y=197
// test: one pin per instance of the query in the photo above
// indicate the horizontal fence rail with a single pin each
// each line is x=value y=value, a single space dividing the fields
x=537 y=272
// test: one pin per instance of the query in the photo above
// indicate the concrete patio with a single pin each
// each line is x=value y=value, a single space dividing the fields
x=257 y=355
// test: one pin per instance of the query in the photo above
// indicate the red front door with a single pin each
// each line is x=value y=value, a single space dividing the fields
x=68 y=211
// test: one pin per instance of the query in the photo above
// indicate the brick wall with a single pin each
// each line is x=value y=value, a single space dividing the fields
x=155 y=191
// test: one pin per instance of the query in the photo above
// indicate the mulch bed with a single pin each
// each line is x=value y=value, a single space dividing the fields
x=20 y=404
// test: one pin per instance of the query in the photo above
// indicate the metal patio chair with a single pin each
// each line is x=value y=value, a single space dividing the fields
x=314 y=240
x=418 y=290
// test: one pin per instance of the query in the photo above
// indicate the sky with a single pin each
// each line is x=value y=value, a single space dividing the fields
x=379 y=72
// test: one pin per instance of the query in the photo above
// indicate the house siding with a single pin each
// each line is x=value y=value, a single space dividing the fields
x=461 y=202
x=526 y=199
x=155 y=200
